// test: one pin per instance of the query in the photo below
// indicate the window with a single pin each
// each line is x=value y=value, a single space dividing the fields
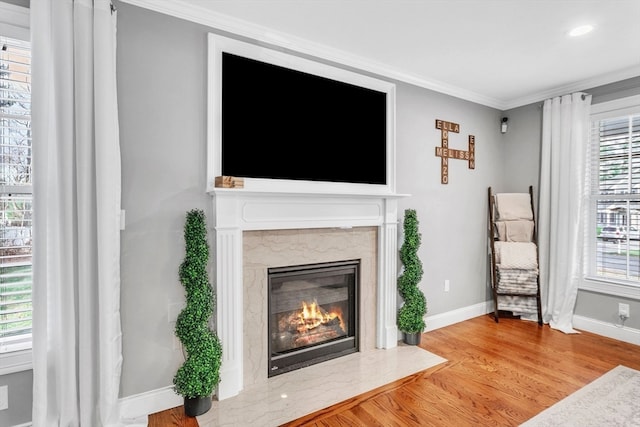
x=614 y=205
x=15 y=195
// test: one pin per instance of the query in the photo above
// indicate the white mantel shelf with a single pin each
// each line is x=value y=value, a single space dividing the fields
x=285 y=193
x=238 y=209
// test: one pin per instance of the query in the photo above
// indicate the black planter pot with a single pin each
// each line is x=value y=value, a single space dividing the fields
x=412 y=338
x=196 y=405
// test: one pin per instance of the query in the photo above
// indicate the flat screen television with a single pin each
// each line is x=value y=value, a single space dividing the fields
x=282 y=117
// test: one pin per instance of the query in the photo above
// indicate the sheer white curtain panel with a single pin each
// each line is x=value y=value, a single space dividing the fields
x=77 y=355
x=565 y=139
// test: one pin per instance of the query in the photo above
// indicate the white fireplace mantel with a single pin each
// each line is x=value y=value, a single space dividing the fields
x=237 y=210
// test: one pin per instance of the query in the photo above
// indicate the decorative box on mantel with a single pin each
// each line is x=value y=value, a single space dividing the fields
x=229 y=182
x=237 y=210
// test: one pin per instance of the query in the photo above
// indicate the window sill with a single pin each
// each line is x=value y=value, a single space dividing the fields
x=610 y=287
x=16 y=361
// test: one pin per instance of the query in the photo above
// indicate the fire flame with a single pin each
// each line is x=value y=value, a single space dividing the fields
x=313 y=315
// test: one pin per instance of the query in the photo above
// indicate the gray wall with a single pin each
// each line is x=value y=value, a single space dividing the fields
x=452 y=216
x=20 y=385
x=523 y=139
x=162 y=111
x=605 y=308
x=162 y=103
x=522 y=148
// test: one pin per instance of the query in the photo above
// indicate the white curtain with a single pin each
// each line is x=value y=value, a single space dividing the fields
x=76 y=295
x=565 y=139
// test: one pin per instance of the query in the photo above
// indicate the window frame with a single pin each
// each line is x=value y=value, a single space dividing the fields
x=15 y=23
x=591 y=282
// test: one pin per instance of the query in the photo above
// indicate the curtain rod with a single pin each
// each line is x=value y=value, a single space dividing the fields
x=583 y=96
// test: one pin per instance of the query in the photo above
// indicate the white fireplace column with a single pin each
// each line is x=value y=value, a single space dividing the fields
x=386 y=329
x=237 y=210
x=228 y=274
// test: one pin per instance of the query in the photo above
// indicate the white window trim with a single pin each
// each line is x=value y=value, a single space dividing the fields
x=14 y=23
x=16 y=361
x=610 y=109
x=610 y=287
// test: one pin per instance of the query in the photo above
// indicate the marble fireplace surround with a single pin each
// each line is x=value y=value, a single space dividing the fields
x=328 y=226
x=274 y=248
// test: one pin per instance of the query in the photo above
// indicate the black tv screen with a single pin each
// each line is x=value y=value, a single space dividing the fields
x=281 y=123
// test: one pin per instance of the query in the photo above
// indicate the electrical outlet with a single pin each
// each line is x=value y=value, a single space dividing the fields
x=623 y=310
x=4 y=397
x=446 y=285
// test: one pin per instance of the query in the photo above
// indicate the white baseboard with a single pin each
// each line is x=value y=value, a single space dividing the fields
x=621 y=333
x=135 y=409
x=465 y=313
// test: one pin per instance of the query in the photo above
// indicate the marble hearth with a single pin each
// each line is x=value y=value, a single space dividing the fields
x=255 y=230
x=295 y=394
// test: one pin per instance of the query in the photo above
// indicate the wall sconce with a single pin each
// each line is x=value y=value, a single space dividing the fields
x=503 y=125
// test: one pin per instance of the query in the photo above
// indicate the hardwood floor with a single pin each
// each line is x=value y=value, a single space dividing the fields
x=497 y=374
x=172 y=417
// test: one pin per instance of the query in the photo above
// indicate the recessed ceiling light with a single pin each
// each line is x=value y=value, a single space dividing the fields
x=581 y=30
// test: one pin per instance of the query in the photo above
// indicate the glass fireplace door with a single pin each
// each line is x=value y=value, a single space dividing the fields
x=312 y=314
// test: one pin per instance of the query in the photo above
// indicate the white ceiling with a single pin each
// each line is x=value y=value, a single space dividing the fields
x=500 y=53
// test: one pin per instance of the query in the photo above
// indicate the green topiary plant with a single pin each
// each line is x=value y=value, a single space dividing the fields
x=411 y=314
x=200 y=373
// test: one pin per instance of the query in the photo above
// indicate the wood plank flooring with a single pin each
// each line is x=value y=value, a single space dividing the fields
x=497 y=374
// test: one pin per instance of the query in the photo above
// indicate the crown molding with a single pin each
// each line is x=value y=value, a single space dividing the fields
x=269 y=36
x=581 y=85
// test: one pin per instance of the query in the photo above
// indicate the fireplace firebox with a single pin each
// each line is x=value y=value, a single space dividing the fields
x=313 y=314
